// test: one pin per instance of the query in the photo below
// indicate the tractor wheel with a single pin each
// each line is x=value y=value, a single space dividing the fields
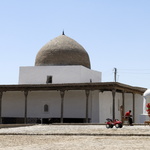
x=120 y=125
x=109 y=126
x=117 y=125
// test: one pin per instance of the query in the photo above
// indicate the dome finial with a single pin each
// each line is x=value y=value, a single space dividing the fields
x=63 y=33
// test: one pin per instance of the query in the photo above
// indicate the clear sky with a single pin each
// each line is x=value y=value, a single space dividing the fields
x=115 y=33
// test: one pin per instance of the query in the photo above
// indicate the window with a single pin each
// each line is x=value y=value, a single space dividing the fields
x=49 y=79
x=46 y=108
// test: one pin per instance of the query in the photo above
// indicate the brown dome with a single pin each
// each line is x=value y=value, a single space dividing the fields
x=62 y=50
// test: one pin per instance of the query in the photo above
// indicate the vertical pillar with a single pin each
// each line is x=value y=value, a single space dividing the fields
x=1 y=94
x=133 y=107
x=123 y=106
x=62 y=93
x=25 y=112
x=144 y=104
x=87 y=92
x=113 y=104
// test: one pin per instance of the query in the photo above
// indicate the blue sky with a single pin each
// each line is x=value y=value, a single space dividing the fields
x=115 y=33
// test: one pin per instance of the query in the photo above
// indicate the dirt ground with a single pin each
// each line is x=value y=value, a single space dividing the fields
x=49 y=142
x=36 y=138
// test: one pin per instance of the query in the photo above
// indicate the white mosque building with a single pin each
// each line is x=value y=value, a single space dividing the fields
x=62 y=87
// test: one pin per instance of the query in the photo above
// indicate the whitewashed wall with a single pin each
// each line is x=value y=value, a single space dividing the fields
x=105 y=105
x=94 y=98
x=37 y=100
x=118 y=103
x=100 y=105
x=74 y=104
x=139 y=107
x=13 y=104
x=60 y=74
x=128 y=103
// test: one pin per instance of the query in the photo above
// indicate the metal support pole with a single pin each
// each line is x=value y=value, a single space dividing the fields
x=115 y=74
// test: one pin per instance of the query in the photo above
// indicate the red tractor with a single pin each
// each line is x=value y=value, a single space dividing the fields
x=110 y=123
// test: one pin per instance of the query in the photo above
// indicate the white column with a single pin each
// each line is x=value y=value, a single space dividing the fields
x=144 y=104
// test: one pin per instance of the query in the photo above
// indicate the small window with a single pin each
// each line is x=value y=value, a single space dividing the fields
x=49 y=79
x=46 y=108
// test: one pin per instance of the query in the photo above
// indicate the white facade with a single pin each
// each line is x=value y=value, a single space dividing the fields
x=60 y=74
x=106 y=102
x=100 y=105
x=74 y=104
x=74 y=100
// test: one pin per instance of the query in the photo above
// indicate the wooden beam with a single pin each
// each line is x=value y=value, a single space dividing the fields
x=133 y=107
x=62 y=93
x=113 y=103
x=123 y=106
x=104 y=86
x=87 y=92
x=25 y=112
x=1 y=94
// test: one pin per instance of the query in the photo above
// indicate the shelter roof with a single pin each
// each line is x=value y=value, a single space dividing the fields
x=101 y=86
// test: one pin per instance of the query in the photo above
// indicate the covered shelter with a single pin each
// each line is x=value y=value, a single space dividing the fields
x=113 y=87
